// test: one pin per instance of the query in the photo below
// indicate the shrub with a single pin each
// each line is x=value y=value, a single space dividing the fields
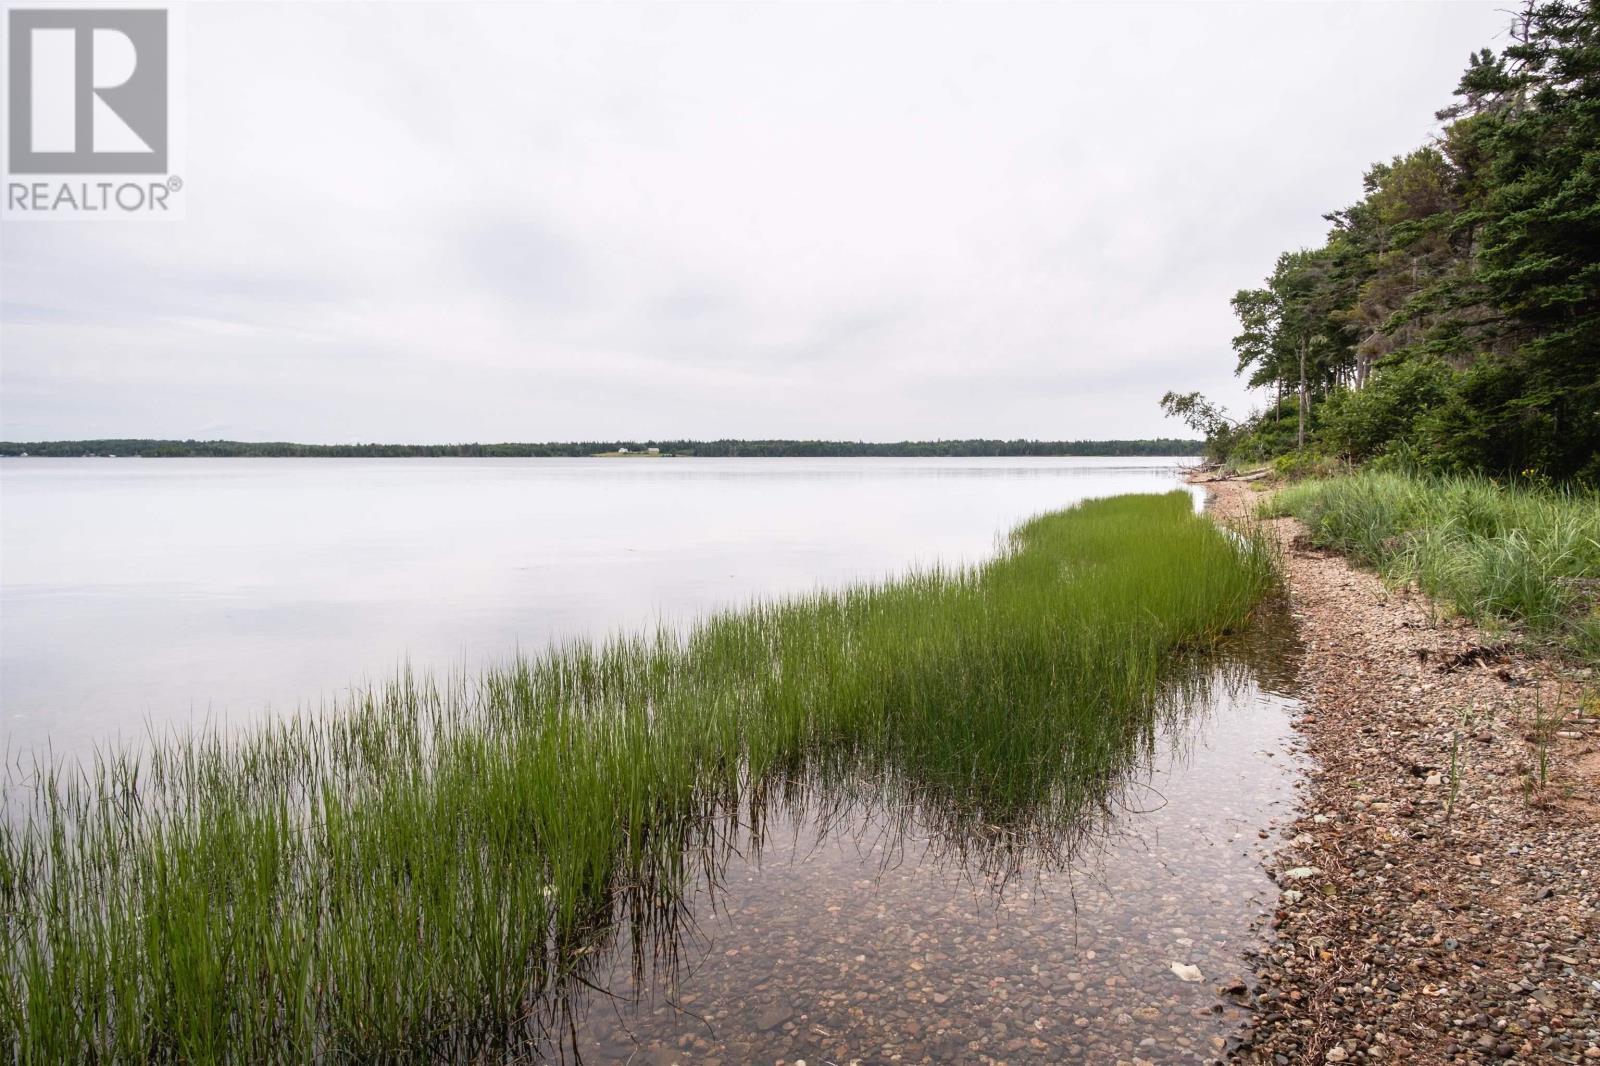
x=1366 y=423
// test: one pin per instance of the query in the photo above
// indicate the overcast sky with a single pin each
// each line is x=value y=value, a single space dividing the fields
x=529 y=222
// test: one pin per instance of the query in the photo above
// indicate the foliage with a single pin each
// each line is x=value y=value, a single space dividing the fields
x=1204 y=417
x=1453 y=313
x=1271 y=434
x=1294 y=465
x=1360 y=424
x=577 y=449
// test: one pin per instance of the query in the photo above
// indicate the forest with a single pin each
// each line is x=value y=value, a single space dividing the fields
x=163 y=449
x=1450 y=322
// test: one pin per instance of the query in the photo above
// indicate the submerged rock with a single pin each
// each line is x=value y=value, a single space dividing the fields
x=1185 y=972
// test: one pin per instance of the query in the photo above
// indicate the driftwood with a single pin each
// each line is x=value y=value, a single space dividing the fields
x=1247 y=475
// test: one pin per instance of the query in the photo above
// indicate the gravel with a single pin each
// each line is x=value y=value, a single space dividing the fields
x=1439 y=891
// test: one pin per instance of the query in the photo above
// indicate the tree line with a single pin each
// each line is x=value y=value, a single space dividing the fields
x=1451 y=319
x=156 y=449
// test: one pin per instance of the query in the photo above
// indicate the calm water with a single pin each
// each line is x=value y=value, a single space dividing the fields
x=862 y=937
x=139 y=590
x=828 y=932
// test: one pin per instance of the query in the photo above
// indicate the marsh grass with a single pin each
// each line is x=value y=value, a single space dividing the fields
x=421 y=875
x=1525 y=554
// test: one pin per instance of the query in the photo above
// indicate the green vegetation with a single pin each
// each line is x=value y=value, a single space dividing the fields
x=1451 y=320
x=164 y=449
x=1521 y=553
x=421 y=875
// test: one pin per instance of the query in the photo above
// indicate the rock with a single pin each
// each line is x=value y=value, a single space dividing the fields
x=772 y=1017
x=1185 y=972
x=1454 y=935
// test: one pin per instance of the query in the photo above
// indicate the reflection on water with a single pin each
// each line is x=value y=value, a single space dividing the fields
x=825 y=918
x=175 y=589
x=827 y=928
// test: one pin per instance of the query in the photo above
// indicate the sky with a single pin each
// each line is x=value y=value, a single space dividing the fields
x=489 y=222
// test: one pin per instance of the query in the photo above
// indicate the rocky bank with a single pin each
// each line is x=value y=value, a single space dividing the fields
x=1440 y=890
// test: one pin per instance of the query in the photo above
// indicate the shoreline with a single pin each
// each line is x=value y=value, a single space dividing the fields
x=1440 y=887
x=579 y=792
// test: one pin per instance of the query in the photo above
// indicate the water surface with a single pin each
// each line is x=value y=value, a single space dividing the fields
x=135 y=591
x=822 y=925
x=871 y=936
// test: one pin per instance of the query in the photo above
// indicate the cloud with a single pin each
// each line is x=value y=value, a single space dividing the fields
x=446 y=222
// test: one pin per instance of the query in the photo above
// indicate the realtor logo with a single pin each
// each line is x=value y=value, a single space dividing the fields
x=91 y=127
x=88 y=91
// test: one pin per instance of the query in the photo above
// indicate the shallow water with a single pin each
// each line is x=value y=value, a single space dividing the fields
x=833 y=930
x=864 y=939
x=165 y=591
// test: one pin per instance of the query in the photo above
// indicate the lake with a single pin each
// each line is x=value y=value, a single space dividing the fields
x=824 y=917
x=137 y=591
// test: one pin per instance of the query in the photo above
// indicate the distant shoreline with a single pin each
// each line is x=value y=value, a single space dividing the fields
x=718 y=449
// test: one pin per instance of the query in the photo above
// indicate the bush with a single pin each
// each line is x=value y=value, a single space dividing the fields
x=1296 y=466
x=1370 y=422
x=1268 y=435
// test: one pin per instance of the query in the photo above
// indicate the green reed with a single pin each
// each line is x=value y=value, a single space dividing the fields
x=422 y=874
x=1518 y=551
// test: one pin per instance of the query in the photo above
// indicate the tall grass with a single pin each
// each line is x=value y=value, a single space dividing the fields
x=419 y=876
x=1526 y=554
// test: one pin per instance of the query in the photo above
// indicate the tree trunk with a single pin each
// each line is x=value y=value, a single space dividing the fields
x=1364 y=360
x=1303 y=397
